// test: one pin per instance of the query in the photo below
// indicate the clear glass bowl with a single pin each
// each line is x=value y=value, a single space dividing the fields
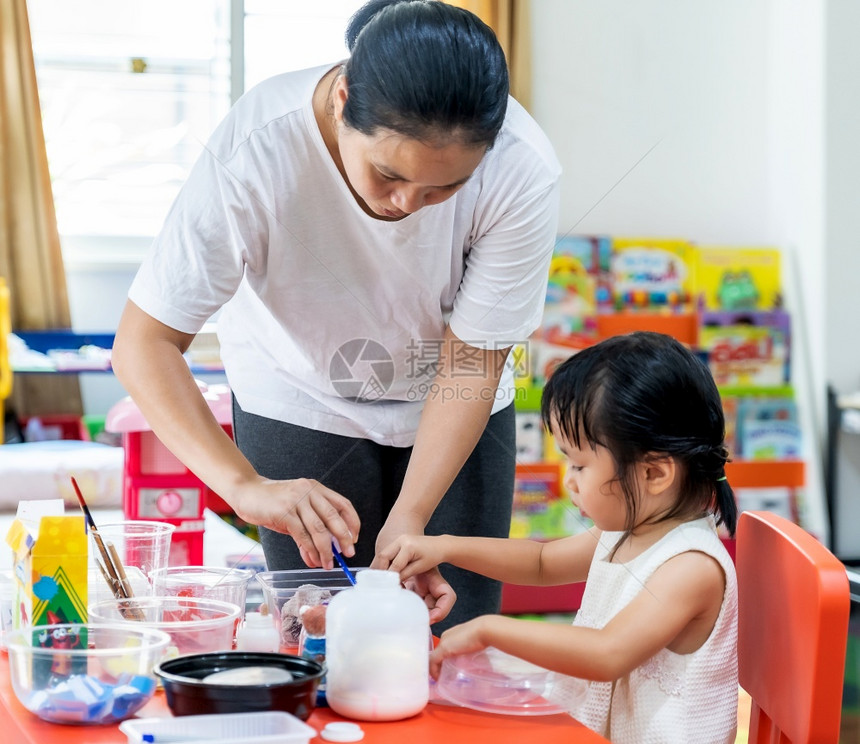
x=195 y=625
x=85 y=673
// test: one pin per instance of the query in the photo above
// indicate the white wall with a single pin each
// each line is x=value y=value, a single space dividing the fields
x=700 y=120
x=614 y=79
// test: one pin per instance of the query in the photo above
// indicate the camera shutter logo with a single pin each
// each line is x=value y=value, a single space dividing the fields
x=361 y=370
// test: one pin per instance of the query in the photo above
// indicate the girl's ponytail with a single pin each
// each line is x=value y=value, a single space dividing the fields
x=725 y=506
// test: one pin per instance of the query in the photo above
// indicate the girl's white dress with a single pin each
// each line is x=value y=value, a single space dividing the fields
x=671 y=698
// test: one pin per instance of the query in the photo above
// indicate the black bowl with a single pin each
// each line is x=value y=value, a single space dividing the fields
x=187 y=693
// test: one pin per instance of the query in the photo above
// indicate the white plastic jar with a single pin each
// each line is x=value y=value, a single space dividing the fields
x=377 y=649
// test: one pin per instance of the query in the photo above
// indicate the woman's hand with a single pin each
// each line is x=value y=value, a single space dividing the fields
x=461 y=639
x=304 y=509
x=438 y=594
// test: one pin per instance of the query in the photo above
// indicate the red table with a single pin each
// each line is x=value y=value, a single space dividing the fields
x=437 y=724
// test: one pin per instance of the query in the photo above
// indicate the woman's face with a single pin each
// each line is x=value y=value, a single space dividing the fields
x=394 y=175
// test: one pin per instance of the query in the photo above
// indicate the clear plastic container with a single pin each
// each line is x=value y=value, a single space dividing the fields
x=195 y=626
x=286 y=592
x=206 y=582
x=84 y=673
x=7 y=604
x=270 y=727
x=495 y=682
x=377 y=650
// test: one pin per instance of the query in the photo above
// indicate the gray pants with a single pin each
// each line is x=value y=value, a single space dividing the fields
x=370 y=476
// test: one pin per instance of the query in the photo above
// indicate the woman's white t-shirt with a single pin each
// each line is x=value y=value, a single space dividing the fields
x=332 y=319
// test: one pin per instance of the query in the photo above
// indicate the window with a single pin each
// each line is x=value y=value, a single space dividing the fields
x=131 y=91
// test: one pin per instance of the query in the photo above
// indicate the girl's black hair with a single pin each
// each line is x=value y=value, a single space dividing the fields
x=641 y=396
x=425 y=69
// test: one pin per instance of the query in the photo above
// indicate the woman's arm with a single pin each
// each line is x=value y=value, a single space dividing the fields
x=455 y=415
x=147 y=358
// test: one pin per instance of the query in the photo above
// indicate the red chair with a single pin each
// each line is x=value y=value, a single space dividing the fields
x=794 y=601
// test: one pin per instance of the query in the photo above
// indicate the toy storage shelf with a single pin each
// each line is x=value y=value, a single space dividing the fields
x=67 y=340
x=766 y=473
x=683 y=326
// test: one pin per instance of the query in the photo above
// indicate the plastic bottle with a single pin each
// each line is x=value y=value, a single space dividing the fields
x=257 y=633
x=377 y=649
x=312 y=642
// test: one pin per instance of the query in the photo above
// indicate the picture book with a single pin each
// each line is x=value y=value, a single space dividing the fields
x=571 y=304
x=536 y=486
x=730 y=413
x=648 y=273
x=746 y=355
x=594 y=253
x=529 y=437
x=779 y=500
x=739 y=278
x=739 y=355
x=547 y=354
x=768 y=429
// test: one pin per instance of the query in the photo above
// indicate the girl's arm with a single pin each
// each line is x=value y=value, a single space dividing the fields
x=514 y=561
x=676 y=609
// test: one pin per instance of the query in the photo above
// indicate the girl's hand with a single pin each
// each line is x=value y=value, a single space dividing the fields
x=461 y=639
x=415 y=558
x=410 y=555
x=304 y=509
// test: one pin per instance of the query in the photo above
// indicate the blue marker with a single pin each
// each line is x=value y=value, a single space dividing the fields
x=342 y=563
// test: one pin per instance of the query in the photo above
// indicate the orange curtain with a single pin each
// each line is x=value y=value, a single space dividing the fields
x=30 y=257
x=510 y=19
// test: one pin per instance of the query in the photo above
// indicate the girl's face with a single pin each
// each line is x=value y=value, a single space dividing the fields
x=592 y=483
x=395 y=175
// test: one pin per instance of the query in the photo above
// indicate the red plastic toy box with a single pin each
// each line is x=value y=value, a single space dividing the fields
x=157 y=486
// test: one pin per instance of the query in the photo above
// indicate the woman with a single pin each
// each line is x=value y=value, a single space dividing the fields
x=377 y=235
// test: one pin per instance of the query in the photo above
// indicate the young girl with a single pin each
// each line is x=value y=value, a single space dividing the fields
x=639 y=420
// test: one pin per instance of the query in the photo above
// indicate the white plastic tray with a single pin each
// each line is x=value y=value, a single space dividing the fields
x=267 y=727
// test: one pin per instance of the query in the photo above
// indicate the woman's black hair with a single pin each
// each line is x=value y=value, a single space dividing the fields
x=425 y=69
x=641 y=396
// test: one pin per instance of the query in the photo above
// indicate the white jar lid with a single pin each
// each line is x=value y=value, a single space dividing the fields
x=342 y=731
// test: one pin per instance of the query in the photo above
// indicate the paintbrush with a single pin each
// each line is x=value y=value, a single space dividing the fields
x=111 y=567
x=111 y=577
